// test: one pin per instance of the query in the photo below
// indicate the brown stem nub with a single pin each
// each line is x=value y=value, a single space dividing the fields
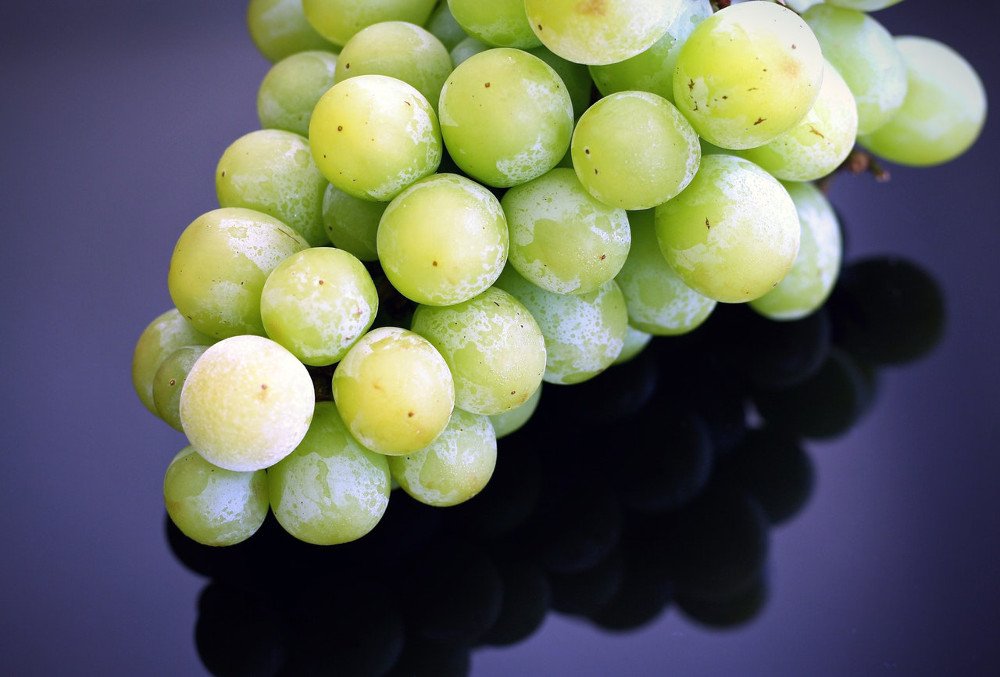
x=857 y=162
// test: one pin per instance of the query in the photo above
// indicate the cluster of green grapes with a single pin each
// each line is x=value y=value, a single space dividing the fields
x=539 y=237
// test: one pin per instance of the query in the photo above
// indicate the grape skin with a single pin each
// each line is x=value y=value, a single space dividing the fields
x=290 y=90
x=161 y=337
x=279 y=29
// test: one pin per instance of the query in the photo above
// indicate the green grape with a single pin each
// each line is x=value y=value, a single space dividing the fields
x=863 y=5
x=733 y=233
x=219 y=265
x=291 y=89
x=575 y=77
x=279 y=29
x=598 y=32
x=501 y=23
x=466 y=48
x=170 y=379
x=561 y=238
x=455 y=467
x=400 y=50
x=493 y=347
x=747 y=74
x=820 y=143
x=944 y=110
x=394 y=391
x=584 y=333
x=443 y=240
x=318 y=303
x=330 y=489
x=212 y=505
x=511 y=421
x=352 y=223
x=864 y=53
x=653 y=69
x=443 y=26
x=165 y=334
x=506 y=117
x=658 y=301
x=339 y=20
x=634 y=150
x=372 y=136
x=635 y=342
x=815 y=270
x=272 y=171
x=246 y=403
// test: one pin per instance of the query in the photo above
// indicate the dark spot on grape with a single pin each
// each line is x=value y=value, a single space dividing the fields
x=434 y=263
x=759 y=120
x=512 y=392
x=496 y=304
x=340 y=128
x=539 y=26
x=409 y=414
x=223 y=172
x=322 y=282
x=724 y=97
x=603 y=256
x=324 y=156
x=487 y=85
x=347 y=66
x=752 y=89
x=173 y=382
x=586 y=151
x=407 y=103
x=794 y=47
x=691 y=85
x=263 y=386
x=707 y=224
x=595 y=170
x=813 y=130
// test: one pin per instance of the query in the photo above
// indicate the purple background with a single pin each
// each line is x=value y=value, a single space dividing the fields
x=113 y=116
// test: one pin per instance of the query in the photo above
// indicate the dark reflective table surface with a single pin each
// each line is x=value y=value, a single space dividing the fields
x=817 y=497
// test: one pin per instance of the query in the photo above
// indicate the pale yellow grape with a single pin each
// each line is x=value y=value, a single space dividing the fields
x=510 y=421
x=352 y=223
x=247 y=403
x=339 y=20
x=161 y=337
x=864 y=53
x=658 y=301
x=653 y=69
x=635 y=342
x=506 y=117
x=493 y=346
x=170 y=379
x=372 y=136
x=562 y=238
x=812 y=276
x=600 y=31
x=820 y=143
x=584 y=333
x=443 y=240
x=279 y=29
x=634 y=150
x=330 y=489
x=944 y=110
x=400 y=50
x=733 y=234
x=219 y=265
x=575 y=77
x=318 y=303
x=290 y=90
x=501 y=23
x=272 y=171
x=394 y=391
x=444 y=27
x=748 y=73
x=212 y=505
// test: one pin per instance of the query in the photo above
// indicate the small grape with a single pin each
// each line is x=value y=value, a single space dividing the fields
x=339 y=20
x=510 y=421
x=169 y=381
x=291 y=89
x=279 y=29
x=158 y=341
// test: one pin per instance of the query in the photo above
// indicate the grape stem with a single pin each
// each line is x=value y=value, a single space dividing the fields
x=857 y=162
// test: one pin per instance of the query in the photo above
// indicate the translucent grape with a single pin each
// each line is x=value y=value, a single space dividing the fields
x=170 y=379
x=634 y=150
x=584 y=333
x=443 y=240
x=812 y=276
x=733 y=233
x=561 y=238
x=864 y=53
x=372 y=136
x=394 y=391
x=511 y=421
x=291 y=89
x=502 y=23
x=219 y=265
x=635 y=342
x=506 y=117
x=493 y=347
x=944 y=110
x=352 y=223
x=400 y=50
x=165 y=334
x=272 y=171
x=575 y=77
x=466 y=48
x=279 y=29
x=455 y=467
x=318 y=303
x=247 y=403
x=330 y=489
x=339 y=20
x=600 y=31
x=748 y=73
x=444 y=27
x=212 y=505
x=658 y=301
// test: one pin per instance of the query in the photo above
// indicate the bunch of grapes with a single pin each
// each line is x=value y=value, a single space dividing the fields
x=418 y=238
